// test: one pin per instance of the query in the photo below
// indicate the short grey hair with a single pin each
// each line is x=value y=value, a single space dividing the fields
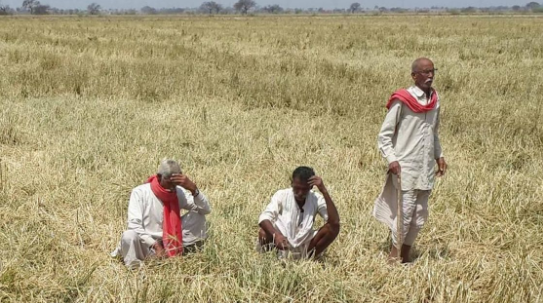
x=168 y=167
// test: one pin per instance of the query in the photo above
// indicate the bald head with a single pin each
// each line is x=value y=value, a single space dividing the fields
x=418 y=63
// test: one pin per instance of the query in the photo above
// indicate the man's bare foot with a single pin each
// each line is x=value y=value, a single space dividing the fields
x=393 y=260
x=406 y=251
x=393 y=257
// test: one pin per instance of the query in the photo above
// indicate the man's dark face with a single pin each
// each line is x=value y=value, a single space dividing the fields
x=165 y=183
x=300 y=189
x=424 y=74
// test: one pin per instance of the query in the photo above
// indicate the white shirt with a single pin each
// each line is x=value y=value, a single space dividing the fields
x=412 y=139
x=146 y=212
x=285 y=214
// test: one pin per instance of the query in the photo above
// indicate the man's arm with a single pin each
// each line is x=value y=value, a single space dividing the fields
x=386 y=134
x=198 y=202
x=202 y=204
x=265 y=221
x=331 y=210
x=438 y=152
x=135 y=218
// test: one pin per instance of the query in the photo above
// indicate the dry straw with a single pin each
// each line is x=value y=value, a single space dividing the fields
x=89 y=105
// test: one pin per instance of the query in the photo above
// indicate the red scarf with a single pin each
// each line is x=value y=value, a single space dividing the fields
x=172 y=236
x=404 y=96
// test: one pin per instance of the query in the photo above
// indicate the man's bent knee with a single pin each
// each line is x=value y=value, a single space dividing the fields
x=328 y=233
x=130 y=236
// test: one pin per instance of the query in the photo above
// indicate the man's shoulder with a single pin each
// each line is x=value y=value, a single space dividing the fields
x=395 y=100
x=316 y=194
x=286 y=191
x=317 y=197
x=142 y=188
x=283 y=191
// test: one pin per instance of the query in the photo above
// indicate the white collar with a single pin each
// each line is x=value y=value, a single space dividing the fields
x=419 y=92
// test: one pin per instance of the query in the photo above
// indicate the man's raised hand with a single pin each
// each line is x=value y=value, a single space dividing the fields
x=183 y=181
x=317 y=181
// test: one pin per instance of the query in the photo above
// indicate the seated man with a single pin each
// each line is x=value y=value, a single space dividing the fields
x=155 y=225
x=287 y=222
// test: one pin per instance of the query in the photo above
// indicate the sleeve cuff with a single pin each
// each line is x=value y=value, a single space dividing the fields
x=391 y=158
x=148 y=240
x=263 y=218
x=201 y=199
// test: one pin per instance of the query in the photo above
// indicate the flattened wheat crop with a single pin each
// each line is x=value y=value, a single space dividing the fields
x=90 y=105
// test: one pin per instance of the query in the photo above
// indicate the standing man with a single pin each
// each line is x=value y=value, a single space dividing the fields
x=155 y=225
x=409 y=141
x=287 y=222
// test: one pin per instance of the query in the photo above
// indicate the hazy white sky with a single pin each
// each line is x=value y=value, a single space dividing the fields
x=327 y=4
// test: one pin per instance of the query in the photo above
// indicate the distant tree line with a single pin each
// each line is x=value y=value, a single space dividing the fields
x=35 y=7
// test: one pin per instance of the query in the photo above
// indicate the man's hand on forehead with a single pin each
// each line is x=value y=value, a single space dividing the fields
x=183 y=181
x=317 y=181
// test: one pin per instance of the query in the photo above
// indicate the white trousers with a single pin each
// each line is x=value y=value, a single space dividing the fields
x=415 y=215
x=133 y=250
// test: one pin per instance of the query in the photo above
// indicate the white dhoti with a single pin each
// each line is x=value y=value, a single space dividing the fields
x=294 y=253
x=415 y=211
x=133 y=250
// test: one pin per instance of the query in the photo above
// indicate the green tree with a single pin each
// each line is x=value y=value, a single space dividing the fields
x=354 y=7
x=94 y=9
x=211 y=7
x=243 y=6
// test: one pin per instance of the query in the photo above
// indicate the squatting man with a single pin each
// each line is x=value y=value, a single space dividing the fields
x=155 y=225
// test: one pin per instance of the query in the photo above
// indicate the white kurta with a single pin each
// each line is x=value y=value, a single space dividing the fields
x=145 y=218
x=285 y=215
x=411 y=139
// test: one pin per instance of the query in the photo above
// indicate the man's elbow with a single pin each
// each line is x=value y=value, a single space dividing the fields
x=334 y=226
x=205 y=211
x=134 y=223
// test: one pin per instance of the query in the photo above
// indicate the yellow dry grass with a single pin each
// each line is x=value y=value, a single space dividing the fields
x=90 y=105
